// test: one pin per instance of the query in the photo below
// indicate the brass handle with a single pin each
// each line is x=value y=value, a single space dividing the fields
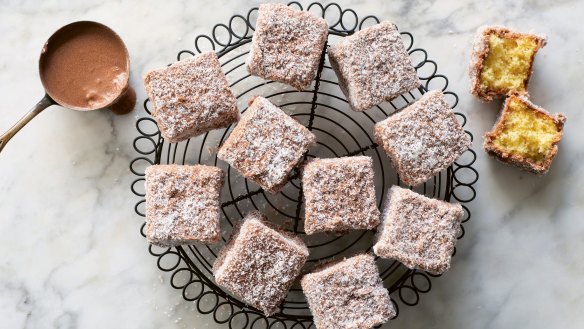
x=38 y=108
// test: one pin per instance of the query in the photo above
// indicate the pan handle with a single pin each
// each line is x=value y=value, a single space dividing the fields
x=45 y=102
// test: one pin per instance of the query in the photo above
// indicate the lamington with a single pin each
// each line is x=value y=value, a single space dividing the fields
x=373 y=66
x=339 y=195
x=287 y=45
x=502 y=61
x=418 y=231
x=348 y=295
x=266 y=145
x=259 y=263
x=191 y=97
x=422 y=139
x=182 y=204
x=525 y=135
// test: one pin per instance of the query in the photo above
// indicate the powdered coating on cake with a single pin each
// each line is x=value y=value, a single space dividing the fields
x=348 y=294
x=287 y=45
x=373 y=66
x=259 y=264
x=422 y=139
x=517 y=160
x=418 y=231
x=182 y=204
x=191 y=97
x=339 y=195
x=480 y=51
x=266 y=145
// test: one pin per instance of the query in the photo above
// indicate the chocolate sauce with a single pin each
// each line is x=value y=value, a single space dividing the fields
x=84 y=66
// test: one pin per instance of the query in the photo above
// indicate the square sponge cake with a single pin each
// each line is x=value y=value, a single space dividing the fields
x=339 y=195
x=373 y=66
x=287 y=45
x=182 y=204
x=266 y=145
x=348 y=294
x=418 y=231
x=191 y=97
x=259 y=263
x=422 y=139
x=525 y=135
x=502 y=61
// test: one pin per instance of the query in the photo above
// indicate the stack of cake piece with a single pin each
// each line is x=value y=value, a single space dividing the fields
x=260 y=261
x=525 y=135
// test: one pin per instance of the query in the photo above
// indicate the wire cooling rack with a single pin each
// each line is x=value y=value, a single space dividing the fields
x=340 y=132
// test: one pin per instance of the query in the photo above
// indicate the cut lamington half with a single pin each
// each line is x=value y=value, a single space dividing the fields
x=287 y=45
x=266 y=145
x=259 y=263
x=422 y=139
x=418 y=231
x=182 y=204
x=502 y=61
x=525 y=135
x=348 y=295
x=373 y=66
x=339 y=195
x=191 y=97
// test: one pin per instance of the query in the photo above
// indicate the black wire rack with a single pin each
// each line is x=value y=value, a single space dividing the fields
x=340 y=132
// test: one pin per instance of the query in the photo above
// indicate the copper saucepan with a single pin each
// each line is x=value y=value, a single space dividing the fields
x=61 y=76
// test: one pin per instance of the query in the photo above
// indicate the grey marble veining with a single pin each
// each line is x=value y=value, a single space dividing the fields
x=71 y=253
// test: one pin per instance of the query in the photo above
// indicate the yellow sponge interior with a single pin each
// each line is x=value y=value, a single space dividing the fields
x=526 y=132
x=508 y=63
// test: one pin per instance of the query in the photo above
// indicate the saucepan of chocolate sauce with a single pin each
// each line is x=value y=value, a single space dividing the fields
x=84 y=66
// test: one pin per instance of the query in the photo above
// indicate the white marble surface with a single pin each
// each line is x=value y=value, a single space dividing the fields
x=70 y=252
